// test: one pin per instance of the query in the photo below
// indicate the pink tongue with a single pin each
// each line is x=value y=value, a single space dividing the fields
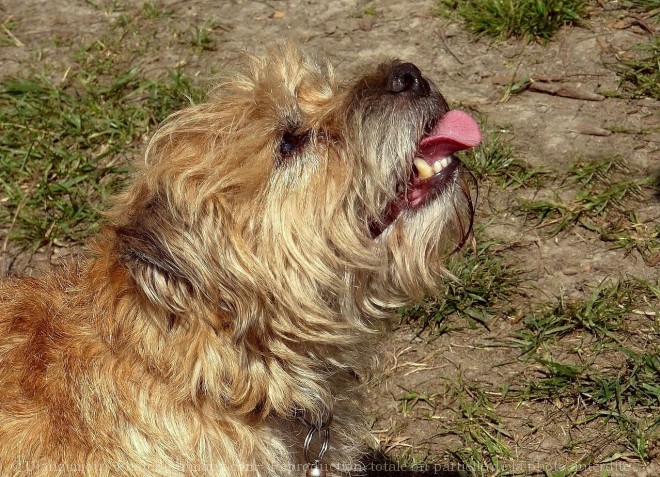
x=456 y=131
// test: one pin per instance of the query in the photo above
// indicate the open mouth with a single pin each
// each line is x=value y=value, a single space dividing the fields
x=434 y=166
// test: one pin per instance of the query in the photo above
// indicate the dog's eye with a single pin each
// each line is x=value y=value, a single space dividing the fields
x=290 y=142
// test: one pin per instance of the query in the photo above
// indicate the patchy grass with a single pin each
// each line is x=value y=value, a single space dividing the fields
x=625 y=395
x=483 y=280
x=600 y=314
x=6 y=35
x=201 y=36
x=478 y=425
x=494 y=161
x=651 y=6
x=469 y=415
x=151 y=10
x=582 y=363
x=585 y=357
x=640 y=76
x=368 y=10
x=60 y=141
x=532 y=19
x=603 y=199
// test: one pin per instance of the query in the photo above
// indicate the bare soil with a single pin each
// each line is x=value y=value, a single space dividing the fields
x=546 y=130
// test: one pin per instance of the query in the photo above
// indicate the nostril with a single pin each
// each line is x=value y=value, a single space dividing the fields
x=403 y=82
x=407 y=77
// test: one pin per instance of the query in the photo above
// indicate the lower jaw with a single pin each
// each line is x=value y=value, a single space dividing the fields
x=418 y=193
x=422 y=192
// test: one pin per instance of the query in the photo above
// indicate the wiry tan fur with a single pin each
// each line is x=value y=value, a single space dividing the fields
x=230 y=287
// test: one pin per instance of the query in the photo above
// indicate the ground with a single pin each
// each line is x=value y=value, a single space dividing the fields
x=545 y=358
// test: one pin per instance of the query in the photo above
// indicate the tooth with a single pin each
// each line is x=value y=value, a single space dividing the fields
x=445 y=162
x=423 y=169
x=437 y=166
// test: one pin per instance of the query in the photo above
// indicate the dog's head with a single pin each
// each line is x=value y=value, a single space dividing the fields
x=293 y=203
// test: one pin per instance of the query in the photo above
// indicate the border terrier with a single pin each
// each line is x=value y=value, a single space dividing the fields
x=223 y=321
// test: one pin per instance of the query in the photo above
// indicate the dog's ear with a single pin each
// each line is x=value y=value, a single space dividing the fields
x=152 y=245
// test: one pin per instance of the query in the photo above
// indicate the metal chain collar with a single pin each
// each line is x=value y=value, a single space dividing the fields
x=322 y=433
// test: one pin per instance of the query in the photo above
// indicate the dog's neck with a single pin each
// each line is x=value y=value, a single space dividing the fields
x=199 y=354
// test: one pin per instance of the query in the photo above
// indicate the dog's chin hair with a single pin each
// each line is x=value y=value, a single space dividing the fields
x=434 y=232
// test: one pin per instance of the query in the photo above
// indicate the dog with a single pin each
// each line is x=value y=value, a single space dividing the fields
x=224 y=320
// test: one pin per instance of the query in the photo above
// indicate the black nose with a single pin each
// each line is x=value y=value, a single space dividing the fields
x=406 y=77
